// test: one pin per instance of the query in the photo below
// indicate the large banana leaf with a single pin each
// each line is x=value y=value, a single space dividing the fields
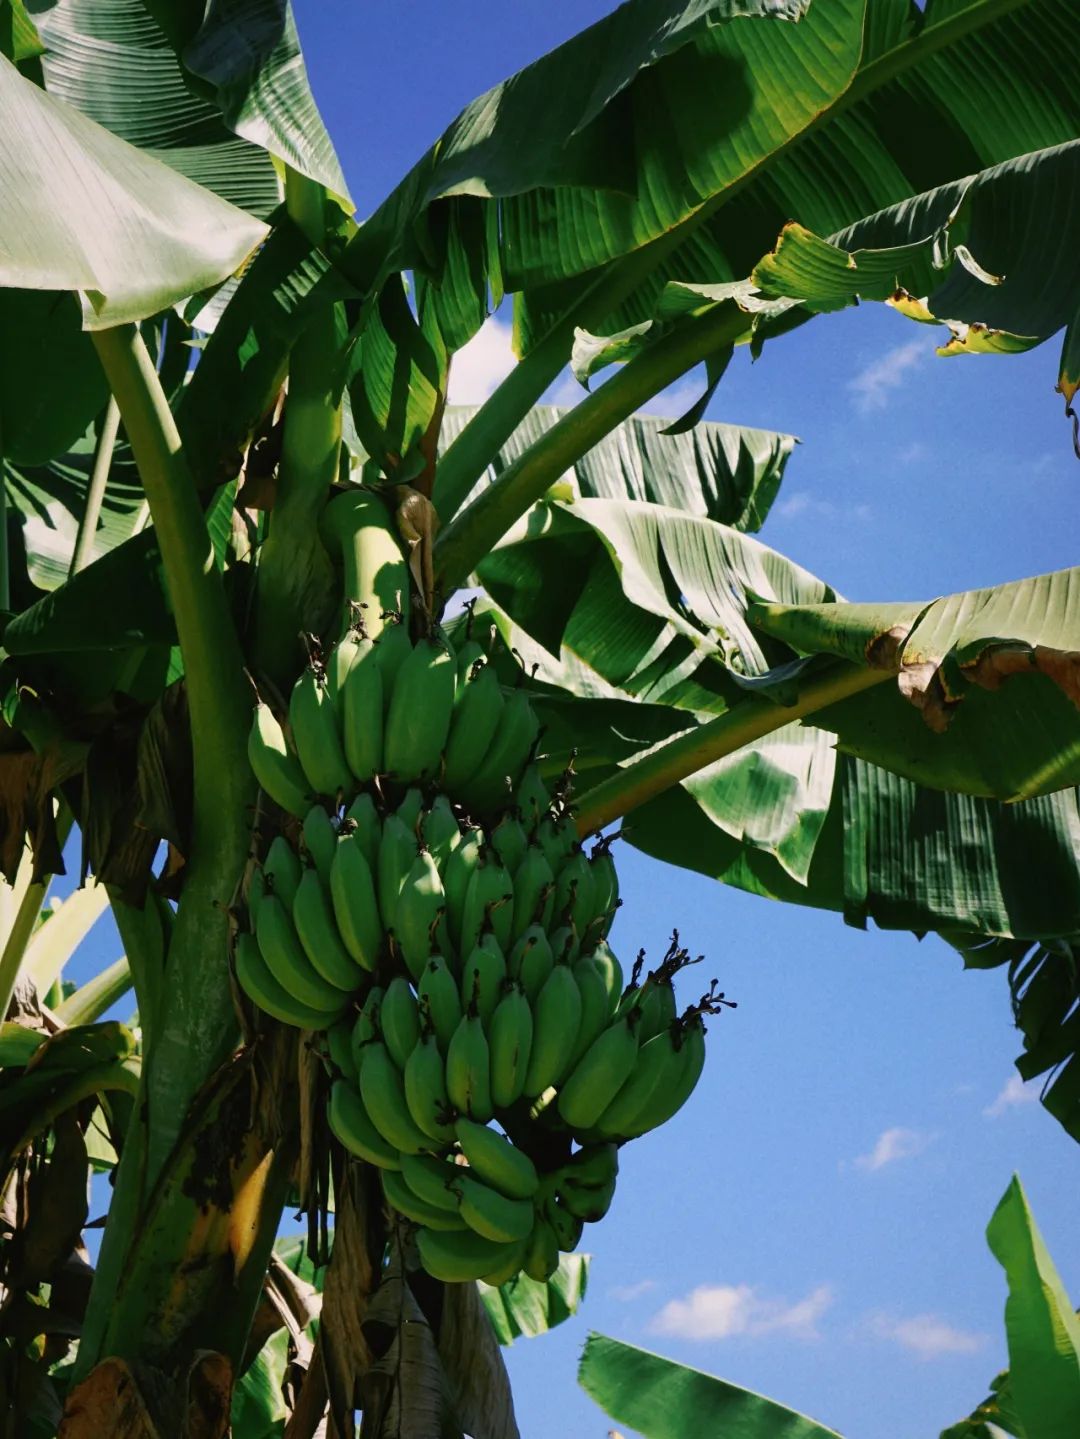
x=661 y=1399
x=729 y=473
x=641 y=621
x=111 y=60
x=246 y=60
x=88 y=212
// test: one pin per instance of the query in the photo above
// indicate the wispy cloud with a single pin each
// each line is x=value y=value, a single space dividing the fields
x=914 y=452
x=872 y=387
x=1014 y=1092
x=892 y=1145
x=721 y=1311
x=927 y=1335
x=478 y=367
x=627 y=1293
x=801 y=502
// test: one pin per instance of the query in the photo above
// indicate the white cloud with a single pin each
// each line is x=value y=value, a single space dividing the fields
x=801 y=502
x=892 y=1145
x=627 y=1293
x=478 y=367
x=926 y=1335
x=913 y=453
x=1015 y=1092
x=719 y=1311
x=871 y=387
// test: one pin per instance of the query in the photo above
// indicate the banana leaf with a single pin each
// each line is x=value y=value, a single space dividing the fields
x=527 y=1307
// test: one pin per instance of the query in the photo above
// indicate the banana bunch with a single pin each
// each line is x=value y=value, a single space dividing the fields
x=401 y=713
x=427 y=907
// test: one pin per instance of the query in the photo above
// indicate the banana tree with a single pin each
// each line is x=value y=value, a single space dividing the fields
x=205 y=348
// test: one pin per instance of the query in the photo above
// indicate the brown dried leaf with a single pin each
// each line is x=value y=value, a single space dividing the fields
x=921 y=685
x=883 y=651
x=998 y=663
x=418 y=524
x=56 y=1209
x=209 y=1397
x=351 y=1278
x=473 y=1364
x=108 y=1402
x=27 y=780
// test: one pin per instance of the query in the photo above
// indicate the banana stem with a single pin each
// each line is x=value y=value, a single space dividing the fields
x=670 y=763
x=296 y=580
x=475 y=532
x=198 y=1021
x=99 y=478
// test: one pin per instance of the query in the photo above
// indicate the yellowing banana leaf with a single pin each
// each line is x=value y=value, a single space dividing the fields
x=526 y=1307
x=729 y=473
x=86 y=212
x=1042 y=1327
x=661 y=1399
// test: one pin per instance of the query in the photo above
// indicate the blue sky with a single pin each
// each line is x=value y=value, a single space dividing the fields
x=811 y=1225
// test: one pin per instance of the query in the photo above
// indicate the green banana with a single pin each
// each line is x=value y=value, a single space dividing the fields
x=420 y=927
x=313 y=720
x=496 y=1161
x=399 y=1021
x=282 y=869
x=588 y=1203
x=393 y=647
x=438 y=992
x=382 y=1089
x=411 y=807
x=421 y=705
x=439 y=830
x=510 y=1042
x=400 y=1195
x=468 y=1068
x=592 y=1166
x=457 y=875
x=542 y=1254
x=320 y=840
x=274 y=765
x=359 y=526
x=397 y=851
x=316 y=927
x=574 y=892
x=556 y=1017
x=430 y=1179
x=339 y=1045
x=352 y=891
x=465 y=662
x=531 y=798
x=531 y=961
x=363 y=822
x=556 y=836
x=669 y=1097
x=425 y=1089
x=491 y=784
x=599 y=1074
x=366 y=1029
x=568 y=1227
x=509 y=841
x=534 y=892
x=489 y=904
x=564 y=944
x=605 y=890
x=491 y=1214
x=509 y=1266
x=260 y=986
x=594 y=1004
x=603 y=957
x=284 y=954
x=659 y=1010
x=351 y=1124
x=478 y=710
x=340 y=661
x=482 y=977
x=462 y=1257
x=362 y=705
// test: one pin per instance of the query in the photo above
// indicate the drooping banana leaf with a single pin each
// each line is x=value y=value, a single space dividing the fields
x=98 y=217
x=245 y=61
x=729 y=473
x=111 y=60
x=636 y=618
x=527 y=1307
